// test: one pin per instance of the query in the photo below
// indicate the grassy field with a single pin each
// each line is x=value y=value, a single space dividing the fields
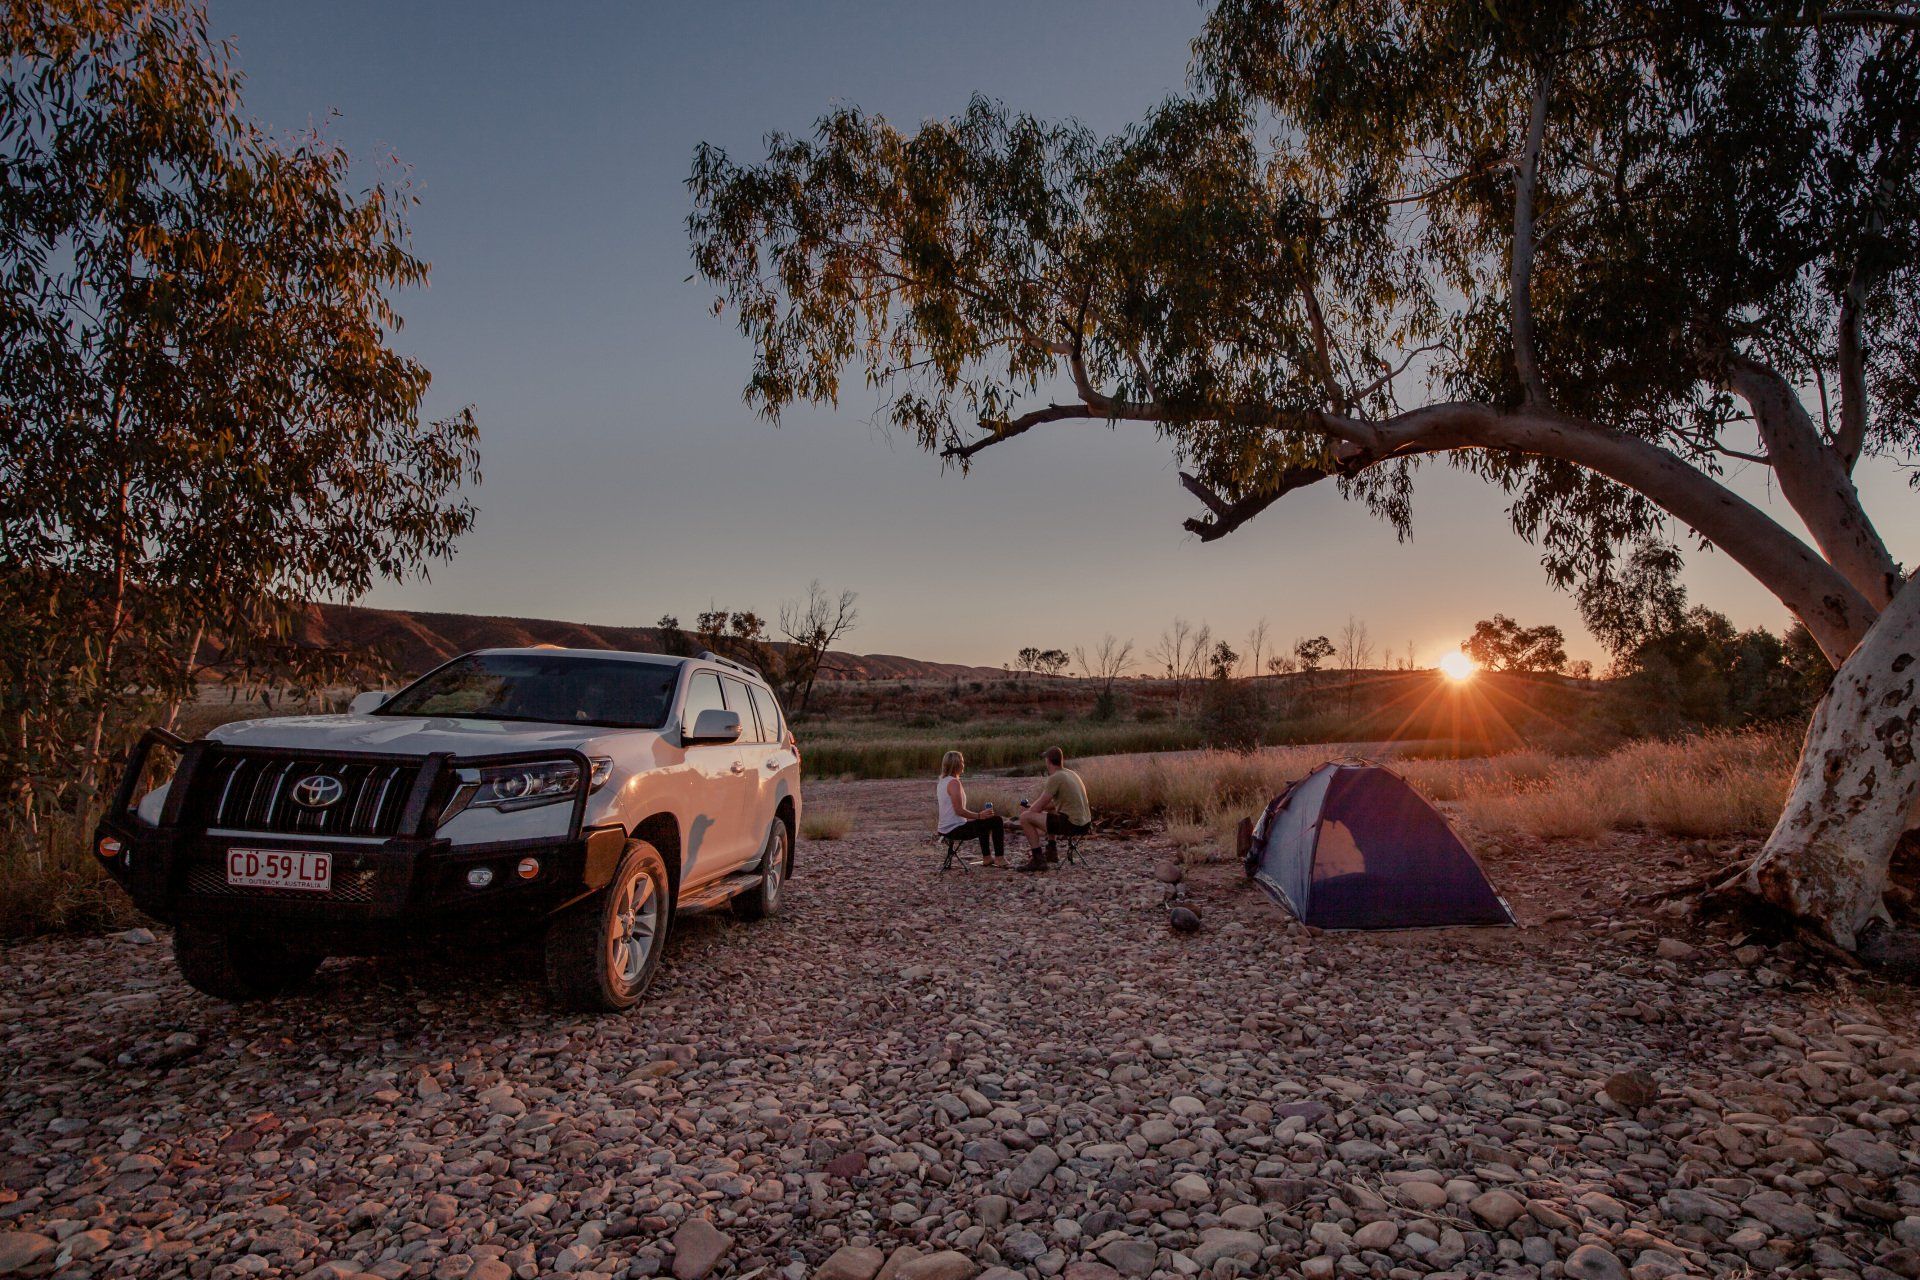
x=1710 y=785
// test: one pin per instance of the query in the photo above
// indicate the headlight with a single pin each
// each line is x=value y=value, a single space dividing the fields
x=523 y=786
x=509 y=787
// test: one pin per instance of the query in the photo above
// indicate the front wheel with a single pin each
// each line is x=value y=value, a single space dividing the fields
x=603 y=953
x=233 y=968
x=763 y=899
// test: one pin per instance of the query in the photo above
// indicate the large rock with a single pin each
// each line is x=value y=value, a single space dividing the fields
x=1632 y=1089
x=1376 y=1235
x=948 y=1264
x=1497 y=1209
x=851 y=1262
x=1032 y=1171
x=22 y=1249
x=1591 y=1262
x=897 y=1261
x=1224 y=1242
x=1192 y=1188
x=1130 y=1257
x=698 y=1247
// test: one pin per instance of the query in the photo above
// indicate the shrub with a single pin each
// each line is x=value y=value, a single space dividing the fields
x=823 y=822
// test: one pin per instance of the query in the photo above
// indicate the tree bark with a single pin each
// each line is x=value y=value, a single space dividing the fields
x=1855 y=789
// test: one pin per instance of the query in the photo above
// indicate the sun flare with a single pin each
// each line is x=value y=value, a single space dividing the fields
x=1458 y=666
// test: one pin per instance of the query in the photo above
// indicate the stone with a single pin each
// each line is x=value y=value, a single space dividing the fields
x=1032 y=1171
x=1023 y=1245
x=851 y=1262
x=1425 y=1196
x=1496 y=1208
x=1245 y=1217
x=992 y=1210
x=897 y=1261
x=1133 y=1257
x=1632 y=1089
x=698 y=1247
x=1225 y=1242
x=1376 y=1235
x=22 y=1249
x=1087 y=1271
x=1674 y=949
x=1591 y=1262
x=948 y=1264
x=1192 y=1188
x=1158 y=1132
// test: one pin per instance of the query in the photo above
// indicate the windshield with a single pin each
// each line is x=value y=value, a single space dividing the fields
x=542 y=687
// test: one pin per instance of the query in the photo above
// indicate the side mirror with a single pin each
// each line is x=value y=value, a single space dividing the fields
x=368 y=702
x=714 y=726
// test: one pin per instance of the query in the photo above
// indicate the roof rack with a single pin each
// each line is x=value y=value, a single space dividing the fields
x=708 y=655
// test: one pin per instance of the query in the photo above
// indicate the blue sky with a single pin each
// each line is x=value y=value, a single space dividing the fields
x=624 y=476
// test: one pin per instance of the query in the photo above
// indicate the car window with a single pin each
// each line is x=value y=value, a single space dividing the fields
x=769 y=712
x=739 y=700
x=553 y=688
x=703 y=694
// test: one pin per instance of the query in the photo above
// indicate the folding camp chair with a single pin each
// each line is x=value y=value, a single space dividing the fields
x=954 y=857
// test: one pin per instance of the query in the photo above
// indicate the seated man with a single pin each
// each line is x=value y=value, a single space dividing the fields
x=1061 y=809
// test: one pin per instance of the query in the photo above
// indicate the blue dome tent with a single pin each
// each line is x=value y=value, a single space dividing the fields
x=1353 y=846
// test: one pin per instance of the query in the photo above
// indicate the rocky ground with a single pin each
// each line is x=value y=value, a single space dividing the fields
x=932 y=1076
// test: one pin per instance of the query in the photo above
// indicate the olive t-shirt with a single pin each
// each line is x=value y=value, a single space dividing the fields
x=1069 y=796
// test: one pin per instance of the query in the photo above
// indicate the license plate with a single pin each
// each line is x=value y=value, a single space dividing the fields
x=280 y=869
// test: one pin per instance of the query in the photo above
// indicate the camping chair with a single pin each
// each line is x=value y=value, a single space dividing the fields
x=1069 y=843
x=954 y=857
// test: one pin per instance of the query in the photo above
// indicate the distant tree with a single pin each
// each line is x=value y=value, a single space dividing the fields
x=1619 y=242
x=1581 y=670
x=1282 y=664
x=1501 y=644
x=812 y=626
x=1704 y=673
x=673 y=639
x=1052 y=662
x=1313 y=651
x=1222 y=660
x=207 y=422
x=1028 y=659
x=1256 y=647
x=1356 y=645
x=1104 y=665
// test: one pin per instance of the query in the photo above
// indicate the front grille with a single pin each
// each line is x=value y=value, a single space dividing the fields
x=257 y=793
x=210 y=878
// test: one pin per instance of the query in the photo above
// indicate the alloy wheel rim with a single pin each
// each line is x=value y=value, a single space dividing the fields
x=636 y=924
x=776 y=864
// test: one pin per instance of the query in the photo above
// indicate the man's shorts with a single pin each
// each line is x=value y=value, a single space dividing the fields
x=1057 y=825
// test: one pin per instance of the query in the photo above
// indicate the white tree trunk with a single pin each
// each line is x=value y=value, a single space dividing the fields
x=1855 y=790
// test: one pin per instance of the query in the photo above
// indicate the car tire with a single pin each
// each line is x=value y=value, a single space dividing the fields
x=233 y=968
x=592 y=962
x=776 y=859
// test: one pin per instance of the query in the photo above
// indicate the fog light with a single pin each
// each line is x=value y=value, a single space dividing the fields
x=528 y=868
x=109 y=848
x=480 y=877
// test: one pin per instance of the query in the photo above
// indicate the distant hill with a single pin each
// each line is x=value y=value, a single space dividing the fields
x=415 y=642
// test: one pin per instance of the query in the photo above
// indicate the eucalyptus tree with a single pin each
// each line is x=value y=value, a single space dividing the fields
x=1593 y=252
x=206 y=422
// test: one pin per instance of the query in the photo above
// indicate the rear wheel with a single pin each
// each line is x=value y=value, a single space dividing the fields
x=235 y=968
x=603 y=953
x=763 y=899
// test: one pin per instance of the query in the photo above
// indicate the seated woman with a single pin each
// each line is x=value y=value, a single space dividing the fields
x=958 y=822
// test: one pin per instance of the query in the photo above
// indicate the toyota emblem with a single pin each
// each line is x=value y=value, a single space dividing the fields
x=317 y=791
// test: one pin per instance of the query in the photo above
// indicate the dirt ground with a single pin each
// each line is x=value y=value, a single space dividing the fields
x=987 y=1072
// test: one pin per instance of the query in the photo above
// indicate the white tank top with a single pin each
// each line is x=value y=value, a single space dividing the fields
x=949 y=817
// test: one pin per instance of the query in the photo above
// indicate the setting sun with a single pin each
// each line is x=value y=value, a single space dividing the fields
x=1458 y=666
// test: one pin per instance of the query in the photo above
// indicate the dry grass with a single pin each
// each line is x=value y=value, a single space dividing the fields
x=1711 y=785
x=50 y=882
x=1730 y=784
x=825 y=822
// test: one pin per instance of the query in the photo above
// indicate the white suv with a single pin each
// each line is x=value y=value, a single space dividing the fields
x=592 y=794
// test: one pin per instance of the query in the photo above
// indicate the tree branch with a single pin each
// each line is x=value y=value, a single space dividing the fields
x=1520 y=270
x=1833 y=17
x=1852 y=437
x=1813 y=479
x=1017 y=426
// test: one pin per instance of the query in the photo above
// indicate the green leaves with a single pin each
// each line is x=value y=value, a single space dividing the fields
x=206 y=424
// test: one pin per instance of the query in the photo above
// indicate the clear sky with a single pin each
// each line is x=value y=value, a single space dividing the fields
x=625 y=478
